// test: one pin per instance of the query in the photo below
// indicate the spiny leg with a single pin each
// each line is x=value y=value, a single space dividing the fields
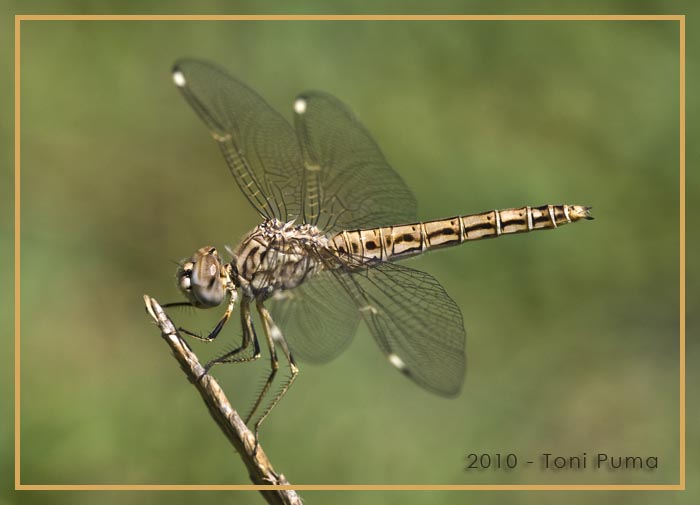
x=217 y=329
x=248 y=336
x=274 y=366
x=274 y=335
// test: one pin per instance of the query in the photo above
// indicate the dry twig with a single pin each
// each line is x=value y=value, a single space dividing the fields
x=259 y=467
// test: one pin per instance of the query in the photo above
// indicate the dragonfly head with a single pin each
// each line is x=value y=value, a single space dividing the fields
x=204 y=279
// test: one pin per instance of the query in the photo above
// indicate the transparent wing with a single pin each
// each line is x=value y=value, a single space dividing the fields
x=258 y=144
x=318 y=318
x=347 y=182
x=415 y=323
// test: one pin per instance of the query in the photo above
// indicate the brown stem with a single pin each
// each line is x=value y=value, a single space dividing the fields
x=243 y=441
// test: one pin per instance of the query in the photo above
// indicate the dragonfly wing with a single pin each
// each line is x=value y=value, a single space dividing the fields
x=415 y=322
x=318 y=318
x=347 y=181
x=258 y=144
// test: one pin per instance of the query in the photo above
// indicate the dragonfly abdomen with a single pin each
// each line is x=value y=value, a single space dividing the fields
x=397 y=242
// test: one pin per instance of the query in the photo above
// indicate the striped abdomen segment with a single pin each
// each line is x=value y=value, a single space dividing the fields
x=395 y=242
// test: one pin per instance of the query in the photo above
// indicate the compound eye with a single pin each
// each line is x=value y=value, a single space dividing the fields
x=184 y=277
x=202 y=279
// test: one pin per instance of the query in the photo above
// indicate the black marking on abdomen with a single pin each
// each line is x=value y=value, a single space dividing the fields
x=480 y=226
x=443 y=232
x=510 y=222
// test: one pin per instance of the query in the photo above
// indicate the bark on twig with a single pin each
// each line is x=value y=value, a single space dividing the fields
x=259 y=467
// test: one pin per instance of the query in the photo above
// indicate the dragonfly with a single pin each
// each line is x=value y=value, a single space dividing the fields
x=335 y=219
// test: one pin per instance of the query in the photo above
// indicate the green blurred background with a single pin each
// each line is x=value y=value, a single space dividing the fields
x=572 y=335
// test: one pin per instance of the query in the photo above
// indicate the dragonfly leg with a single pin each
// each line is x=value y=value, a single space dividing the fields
x=248 y=337
x=274 y=336
x=217 y=329
x=274 y=366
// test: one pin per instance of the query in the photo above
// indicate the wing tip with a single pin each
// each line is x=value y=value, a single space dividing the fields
x=178 y=77
x=300 y=105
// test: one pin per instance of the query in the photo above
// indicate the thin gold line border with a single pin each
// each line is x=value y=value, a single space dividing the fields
x=350 y=17
x=353 y=487
x=355 y=17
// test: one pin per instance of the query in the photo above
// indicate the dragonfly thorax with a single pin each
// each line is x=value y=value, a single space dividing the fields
x=277 y=256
